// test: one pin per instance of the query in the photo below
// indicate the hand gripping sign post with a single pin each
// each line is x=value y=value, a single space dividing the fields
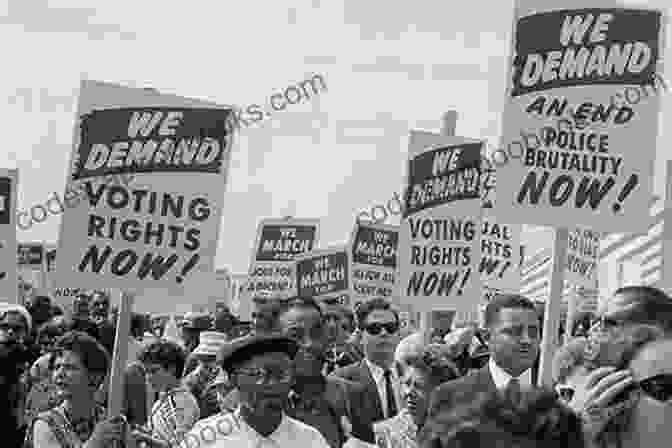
x=8 y=244
x=570 y=58
x=162 y=228
x=439 y=239
x=373 y=258
x=278 y=243
x=324 y=274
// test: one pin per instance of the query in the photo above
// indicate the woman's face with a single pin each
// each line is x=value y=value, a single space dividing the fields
x=416 y=388
x=70 y=375
x=651 y=417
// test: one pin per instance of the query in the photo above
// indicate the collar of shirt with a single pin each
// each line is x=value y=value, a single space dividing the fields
x=378 y=373
x=501 y=378
x=282 y=436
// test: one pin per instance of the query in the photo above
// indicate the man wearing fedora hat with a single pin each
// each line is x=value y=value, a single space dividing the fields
x=260 y=367
x=199 y=379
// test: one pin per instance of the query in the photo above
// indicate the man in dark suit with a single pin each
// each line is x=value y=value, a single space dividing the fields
x=513 y=335
x=379 y=323
x=333 y=406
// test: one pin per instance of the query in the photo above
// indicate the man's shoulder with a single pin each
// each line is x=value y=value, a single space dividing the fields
x=467 y=382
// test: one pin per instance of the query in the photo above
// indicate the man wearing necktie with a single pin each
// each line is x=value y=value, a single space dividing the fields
x=379 y=323
x=513 y=336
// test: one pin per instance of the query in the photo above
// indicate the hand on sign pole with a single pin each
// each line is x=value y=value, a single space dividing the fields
x=593 y=399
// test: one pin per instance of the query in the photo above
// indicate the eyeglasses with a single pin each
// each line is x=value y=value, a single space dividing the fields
x=376 y=327
x=565 y=393
x=658 y=387
x=262 y=375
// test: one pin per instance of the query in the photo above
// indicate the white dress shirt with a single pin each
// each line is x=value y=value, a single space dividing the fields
x=229 y=430
x=378 y=375
x=501 y=378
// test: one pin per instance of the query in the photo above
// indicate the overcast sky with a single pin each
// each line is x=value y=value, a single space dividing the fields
x=389 y=66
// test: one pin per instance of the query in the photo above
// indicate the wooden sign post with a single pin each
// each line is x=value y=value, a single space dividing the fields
x=115 y=394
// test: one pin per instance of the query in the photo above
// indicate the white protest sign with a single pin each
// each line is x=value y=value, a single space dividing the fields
x=163 y=226
x=500 y=254
x=583 y=258
x=324 y=274
x=8 y=244
x=278 y=243
x=439 y=240
x=587 y=155
x=373 y=257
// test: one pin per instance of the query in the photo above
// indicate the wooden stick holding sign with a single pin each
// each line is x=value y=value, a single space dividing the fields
x=115 y=394
x=448 y=125
x=553 y=307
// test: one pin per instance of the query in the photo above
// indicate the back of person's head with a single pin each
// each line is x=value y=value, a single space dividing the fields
x=617 y=349
x=371 y=305
x=538 y=420
x=505 y=301
x=640 y=305
x=138 y=325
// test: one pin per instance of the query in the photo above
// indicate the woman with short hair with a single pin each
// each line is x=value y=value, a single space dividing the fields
x=421 y=372
x=80 y=366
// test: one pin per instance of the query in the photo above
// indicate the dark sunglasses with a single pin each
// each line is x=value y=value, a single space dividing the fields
x=376 y=328
x=565 y=393
x=658 y=387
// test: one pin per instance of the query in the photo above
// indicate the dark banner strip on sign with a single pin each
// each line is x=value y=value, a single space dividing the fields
x=585 y=47
x=159 y=139
x=322 y=275
x=284 y=243
x=375 y=247
x=443 y=175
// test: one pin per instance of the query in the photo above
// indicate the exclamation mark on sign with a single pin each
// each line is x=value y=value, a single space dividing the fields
x=627 y=189
x=189 y=265
x=464 y=281
x=504 y=268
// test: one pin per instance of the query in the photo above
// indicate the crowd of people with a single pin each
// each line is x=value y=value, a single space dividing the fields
x=304 y=373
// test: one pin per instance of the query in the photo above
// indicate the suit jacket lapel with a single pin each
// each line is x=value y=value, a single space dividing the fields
x=371 y=389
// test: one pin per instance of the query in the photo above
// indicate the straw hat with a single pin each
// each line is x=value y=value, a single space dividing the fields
x=210 y=343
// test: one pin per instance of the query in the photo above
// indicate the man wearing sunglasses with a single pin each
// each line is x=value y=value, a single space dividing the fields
x=379 y=323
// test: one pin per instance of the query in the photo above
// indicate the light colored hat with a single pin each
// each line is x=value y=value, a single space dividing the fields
x=210 y=343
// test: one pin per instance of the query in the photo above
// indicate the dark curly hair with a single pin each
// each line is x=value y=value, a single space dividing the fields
x=167 y=354
x=432 y=361
x=93 y=355
x=493 y=421
x=366 y=308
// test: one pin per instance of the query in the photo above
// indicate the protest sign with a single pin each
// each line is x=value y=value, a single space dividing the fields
x=373 y=258
x=569 y=59
x=324 y=274
x=8 y=244
x=278 y=243
x=500 y=254
x=163 y=227
x=583 y=257
x=439 y=241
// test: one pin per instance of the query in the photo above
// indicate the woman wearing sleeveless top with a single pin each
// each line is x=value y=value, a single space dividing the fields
x=81 y=364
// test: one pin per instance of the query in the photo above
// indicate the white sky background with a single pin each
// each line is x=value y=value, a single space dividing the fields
x=389 y=67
